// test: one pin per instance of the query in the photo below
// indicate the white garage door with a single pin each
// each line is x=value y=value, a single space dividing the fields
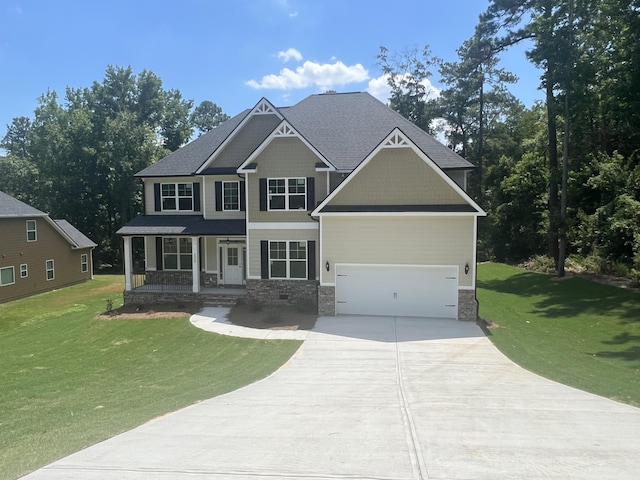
x=411 y=291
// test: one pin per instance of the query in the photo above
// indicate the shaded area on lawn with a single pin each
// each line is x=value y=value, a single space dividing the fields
x=573 y=330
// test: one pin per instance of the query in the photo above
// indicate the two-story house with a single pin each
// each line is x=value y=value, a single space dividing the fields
x=337 y=199
x=38 y=254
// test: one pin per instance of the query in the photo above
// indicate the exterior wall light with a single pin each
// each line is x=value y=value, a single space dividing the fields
x=326 y=265
x=466 y=269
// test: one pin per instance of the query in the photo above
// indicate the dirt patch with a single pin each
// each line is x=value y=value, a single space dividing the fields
x=158 y=310
x=275 y=318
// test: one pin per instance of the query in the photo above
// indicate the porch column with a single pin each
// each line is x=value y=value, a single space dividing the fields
x=195 y=266
x=128 y=265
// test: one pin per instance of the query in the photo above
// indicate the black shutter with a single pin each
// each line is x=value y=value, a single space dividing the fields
x=311 y=260
x=196 y=197
x=243 y=206
x=219 y=196
x=264 y=259
x=159 y=253
x=263 y=194
x=156 y=197
x=311 y=193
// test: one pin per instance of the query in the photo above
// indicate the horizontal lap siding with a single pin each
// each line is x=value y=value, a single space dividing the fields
x=398 y=240
x=284 y=158
x=397 y=177
x=50 y=245
x=257 y=235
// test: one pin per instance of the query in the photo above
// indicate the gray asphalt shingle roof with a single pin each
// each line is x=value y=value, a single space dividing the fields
x=12 y=207
x=76 y=236
x=343 y=127
x=181 y=225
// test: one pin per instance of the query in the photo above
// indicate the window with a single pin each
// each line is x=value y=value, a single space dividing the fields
x=287 y=193
x=32 y=232
x=177 y=196
x=231 y=196
x=176 y=253
x=24 y=270
x=84 y=263
x=7 y=276
x=288 y=259
x=51 y=274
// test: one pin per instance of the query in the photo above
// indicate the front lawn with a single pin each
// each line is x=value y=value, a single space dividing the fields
x=69 y=380
x=573 y=330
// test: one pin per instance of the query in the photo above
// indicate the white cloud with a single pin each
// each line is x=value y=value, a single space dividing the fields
x=323 y=75
x=289 y=54
x=379 y=88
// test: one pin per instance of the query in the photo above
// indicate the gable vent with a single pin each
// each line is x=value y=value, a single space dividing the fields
x=264 y=108
x=397 y=140
x=285 y=130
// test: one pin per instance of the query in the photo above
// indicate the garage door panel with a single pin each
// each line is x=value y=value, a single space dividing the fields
x=425 y=291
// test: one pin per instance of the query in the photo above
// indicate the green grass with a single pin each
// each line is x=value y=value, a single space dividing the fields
x=68 y=380
x=574 y=331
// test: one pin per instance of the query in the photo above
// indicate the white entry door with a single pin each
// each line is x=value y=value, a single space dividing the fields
x=397 y=290
x=233 y=264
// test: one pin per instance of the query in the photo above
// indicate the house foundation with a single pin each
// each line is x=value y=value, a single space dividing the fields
x=282 y=292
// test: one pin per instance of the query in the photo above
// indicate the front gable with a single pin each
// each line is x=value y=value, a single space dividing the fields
x=398 y=177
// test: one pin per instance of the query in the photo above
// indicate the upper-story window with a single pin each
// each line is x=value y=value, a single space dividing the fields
x=231 y=196
x=287 y=193
x=32 y=231
x=177 y=196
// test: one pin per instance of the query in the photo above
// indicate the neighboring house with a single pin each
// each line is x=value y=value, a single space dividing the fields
x=38 y=254
x=337 y=199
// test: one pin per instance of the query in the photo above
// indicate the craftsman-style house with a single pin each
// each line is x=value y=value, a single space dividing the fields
x=337 y=200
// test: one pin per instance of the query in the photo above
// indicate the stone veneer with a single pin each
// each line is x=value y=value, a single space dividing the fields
x=326 y=301
x=282 y=292
x=138 y=297
x=467 y=303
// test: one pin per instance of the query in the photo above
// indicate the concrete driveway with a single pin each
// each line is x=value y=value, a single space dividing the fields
x=381 y=398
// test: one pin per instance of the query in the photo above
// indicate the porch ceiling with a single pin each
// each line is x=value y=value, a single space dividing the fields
x=182 y=225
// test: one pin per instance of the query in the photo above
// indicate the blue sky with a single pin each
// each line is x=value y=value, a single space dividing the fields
x=232 y=52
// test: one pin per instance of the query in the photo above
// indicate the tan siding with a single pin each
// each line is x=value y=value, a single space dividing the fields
x=149 y=198
x=248 y=139
x=211 y=248
x=256 y=235
x=397 y=176
x=283 y=158
x=209 y=198
x=15 y=250
x=398 y=240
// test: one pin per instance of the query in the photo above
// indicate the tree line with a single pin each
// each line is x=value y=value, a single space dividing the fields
x=560 y=179
x=76 y=158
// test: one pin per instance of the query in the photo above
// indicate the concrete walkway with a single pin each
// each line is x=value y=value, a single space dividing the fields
x=379 y=398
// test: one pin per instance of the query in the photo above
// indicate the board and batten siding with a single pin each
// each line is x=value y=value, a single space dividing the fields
x=285 y=157
x=257 y=235
x=50 y=245
x=411 y=240
x=397 y=176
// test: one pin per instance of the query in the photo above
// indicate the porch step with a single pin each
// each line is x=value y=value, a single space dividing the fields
x=221 y=300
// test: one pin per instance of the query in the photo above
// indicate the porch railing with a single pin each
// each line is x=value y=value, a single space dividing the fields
x=163 y=281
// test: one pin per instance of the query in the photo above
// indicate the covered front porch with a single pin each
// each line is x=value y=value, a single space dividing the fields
x=168 y=257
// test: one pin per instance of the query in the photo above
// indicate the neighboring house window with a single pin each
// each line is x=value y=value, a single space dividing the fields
x=84 y=263
x=32 y=232
x=176 y=253
x=288 y=259
x=7 y=276
x=177 y=196
x=287 y=193
x=51 y=274
x=231 y=196
x=24 y=270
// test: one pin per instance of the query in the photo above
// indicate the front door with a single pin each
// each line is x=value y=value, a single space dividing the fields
x=233 y=264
